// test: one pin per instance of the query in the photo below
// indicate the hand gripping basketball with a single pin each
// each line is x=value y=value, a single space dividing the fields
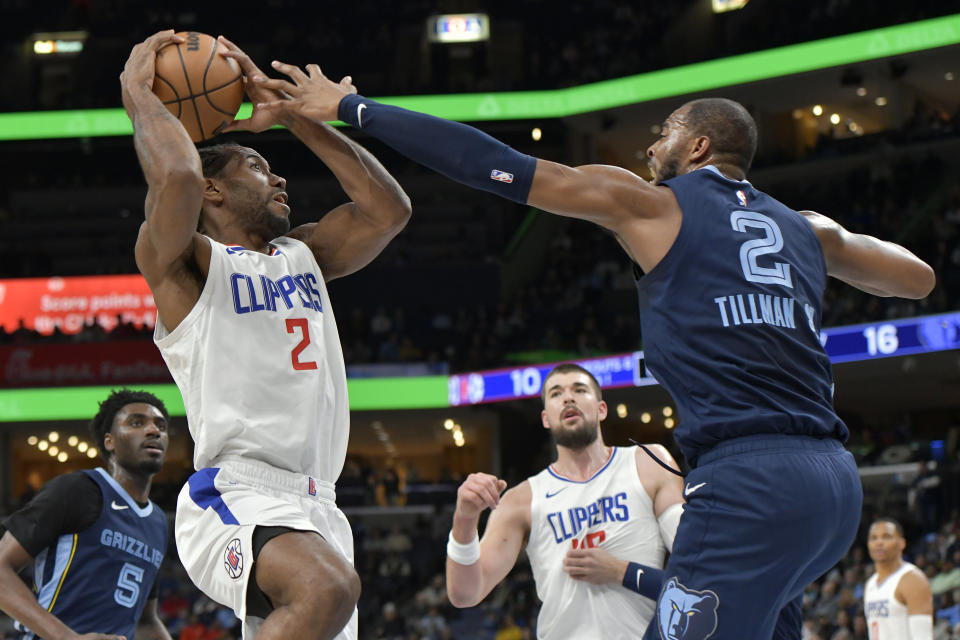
x=262 y=118
x=140 y=68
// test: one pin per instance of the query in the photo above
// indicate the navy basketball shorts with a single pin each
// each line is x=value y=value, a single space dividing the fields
x=765 y=516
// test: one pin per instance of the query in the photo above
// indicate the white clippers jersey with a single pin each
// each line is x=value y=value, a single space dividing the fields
x=612 y=511
x=259 y=364
x=886 y=617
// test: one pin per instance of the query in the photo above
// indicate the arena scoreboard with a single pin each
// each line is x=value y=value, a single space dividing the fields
x=843 y=344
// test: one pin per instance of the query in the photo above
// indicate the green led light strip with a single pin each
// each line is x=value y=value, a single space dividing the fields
x=80 y=403
x=519 y=105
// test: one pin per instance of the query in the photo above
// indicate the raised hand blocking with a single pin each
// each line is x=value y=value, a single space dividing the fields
x=308 y=94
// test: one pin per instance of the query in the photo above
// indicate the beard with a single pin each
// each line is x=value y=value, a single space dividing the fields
x=669 y=168
x=151 y=466
x=254 y=210
x=275 y=225
x=576 y=439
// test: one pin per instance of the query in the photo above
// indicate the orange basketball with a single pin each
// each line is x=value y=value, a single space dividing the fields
x=200 y=87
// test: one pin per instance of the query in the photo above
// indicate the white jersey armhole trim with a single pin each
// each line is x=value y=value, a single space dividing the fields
x=161 y=335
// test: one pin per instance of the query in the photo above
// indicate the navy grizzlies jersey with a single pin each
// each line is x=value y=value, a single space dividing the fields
x=731 y=318
x=98 y=580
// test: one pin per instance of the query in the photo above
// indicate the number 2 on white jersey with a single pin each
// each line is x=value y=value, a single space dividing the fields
x=772 y=242
x=300 y=323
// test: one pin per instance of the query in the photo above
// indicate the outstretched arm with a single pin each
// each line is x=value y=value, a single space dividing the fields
x=869 y=264
x=350 y=236
x=507 y=528
x=609 y=196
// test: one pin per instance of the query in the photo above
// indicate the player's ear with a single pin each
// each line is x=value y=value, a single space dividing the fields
x=543 y=418
x=108 y=444
x=699 y=149
x=212 y=192
x=602 y=410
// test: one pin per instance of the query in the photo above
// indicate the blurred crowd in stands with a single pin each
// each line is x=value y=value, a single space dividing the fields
x=534 y=43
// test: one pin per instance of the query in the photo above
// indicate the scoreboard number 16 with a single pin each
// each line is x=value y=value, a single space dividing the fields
x=881 y=339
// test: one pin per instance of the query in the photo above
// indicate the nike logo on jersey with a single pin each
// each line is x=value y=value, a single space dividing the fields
x=550 y=495
x=360 y=108
x=639 y=573
x=689 y=490
x=118 y=507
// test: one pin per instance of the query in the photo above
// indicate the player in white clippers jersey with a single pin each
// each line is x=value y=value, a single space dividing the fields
x=616 y=504
x=897 y=599
x=245 y=325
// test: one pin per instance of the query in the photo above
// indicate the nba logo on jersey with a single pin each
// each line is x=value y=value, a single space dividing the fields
x=311 y=487
x=742 y=197
x=501 y=176
x=233 y=559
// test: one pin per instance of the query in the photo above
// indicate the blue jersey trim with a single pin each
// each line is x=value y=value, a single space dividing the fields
x=205 y=494
x=613 y=454
x=63 y=556
x=710 y=167
x=143 y=512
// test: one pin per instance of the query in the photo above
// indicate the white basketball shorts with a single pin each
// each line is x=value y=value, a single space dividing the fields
x=219 y=508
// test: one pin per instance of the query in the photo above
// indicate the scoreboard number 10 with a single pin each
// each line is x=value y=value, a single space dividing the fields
x=526 y=382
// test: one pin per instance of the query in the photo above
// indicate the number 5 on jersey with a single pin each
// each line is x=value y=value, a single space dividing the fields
x=301 y=324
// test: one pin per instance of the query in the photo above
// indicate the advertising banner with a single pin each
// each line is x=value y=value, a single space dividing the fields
x=44 y=304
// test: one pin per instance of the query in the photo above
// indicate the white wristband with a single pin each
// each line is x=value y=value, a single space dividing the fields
x=464 y=554
x=921 y=626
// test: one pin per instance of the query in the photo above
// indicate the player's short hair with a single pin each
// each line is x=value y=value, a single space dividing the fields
x=215 y=158
x=895 y=523
x=569 y=367
x=102 y=423
x=730 y=127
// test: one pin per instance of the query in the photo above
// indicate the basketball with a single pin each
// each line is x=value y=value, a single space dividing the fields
x=201 y=88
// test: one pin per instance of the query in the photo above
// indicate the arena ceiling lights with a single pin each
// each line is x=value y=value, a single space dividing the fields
x=559 y=103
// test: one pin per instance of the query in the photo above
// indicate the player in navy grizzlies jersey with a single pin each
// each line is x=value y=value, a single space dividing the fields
x=94 y=538
x=245 y=325
x=730 y=313
x=581 y=521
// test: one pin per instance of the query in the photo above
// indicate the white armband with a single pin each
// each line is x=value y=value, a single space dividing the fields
x=921 y=626
x=669 y=520
x=464 y=554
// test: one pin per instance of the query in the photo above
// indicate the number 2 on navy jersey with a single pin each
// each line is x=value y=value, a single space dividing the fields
x=300 y=323
x=772 y=242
